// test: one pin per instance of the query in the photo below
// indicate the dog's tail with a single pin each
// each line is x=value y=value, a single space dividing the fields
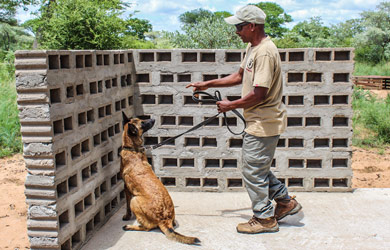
x=172 y=235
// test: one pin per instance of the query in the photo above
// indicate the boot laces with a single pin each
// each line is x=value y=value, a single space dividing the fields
x=253 y=221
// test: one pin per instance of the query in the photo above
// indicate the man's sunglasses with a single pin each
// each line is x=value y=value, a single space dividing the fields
x=240 y=26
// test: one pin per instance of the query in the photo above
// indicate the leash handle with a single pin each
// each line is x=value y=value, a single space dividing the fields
x=212 y=98
x=216 y=98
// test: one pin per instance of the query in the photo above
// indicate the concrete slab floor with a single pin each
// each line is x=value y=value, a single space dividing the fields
x=357 y=220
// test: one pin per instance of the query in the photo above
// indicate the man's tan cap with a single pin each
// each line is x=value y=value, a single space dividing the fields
x=248 y=13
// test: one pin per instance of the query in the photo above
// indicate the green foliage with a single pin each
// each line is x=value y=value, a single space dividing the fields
x=366 y=69
x=194 y=16
x=207 y=33
x=135 y=43
x=371 y=121
x=160 y=39
x=138 y=27
x=77 y=24
x=313 y=33
x=14 y=37
x=10 y=137
x=276 y=17
x=342 y=34
x=7 y=66
x=87 y=24
x=223 y=14
x=373 y=44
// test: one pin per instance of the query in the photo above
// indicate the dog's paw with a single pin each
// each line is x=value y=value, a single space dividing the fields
x=126 y=217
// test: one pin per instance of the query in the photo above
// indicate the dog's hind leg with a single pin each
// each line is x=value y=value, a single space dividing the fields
x=144 y=223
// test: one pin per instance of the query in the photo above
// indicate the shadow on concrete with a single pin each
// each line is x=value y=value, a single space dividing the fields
x=293 y=220
x=114 y=227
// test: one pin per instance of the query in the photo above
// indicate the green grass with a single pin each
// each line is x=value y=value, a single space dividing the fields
x=10 y=137
x=366 y=69
x=371 y=120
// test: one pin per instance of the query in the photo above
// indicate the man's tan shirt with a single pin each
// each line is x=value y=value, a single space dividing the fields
x=262 y=68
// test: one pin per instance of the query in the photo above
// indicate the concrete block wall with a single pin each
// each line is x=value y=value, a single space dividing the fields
x=314 y=154
x=70 y=106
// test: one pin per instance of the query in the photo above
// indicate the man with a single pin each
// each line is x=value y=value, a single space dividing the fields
x=265 y=114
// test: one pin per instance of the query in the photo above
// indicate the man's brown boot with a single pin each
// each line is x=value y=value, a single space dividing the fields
x=257 y=225
x=286 y=207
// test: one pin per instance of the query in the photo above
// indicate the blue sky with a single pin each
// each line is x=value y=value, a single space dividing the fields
x=163 y=14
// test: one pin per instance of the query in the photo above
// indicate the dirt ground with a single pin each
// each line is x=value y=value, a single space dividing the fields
x=370 y=170
x=381 y=93
x=13 y=209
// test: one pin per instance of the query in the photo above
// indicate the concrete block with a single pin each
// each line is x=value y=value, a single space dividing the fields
x=30 y=81
x=34 y=113
x=42 y=224
x=39 y=181
x=44 y=243
x=41 y=212
x=38 y=149
x=39 y=163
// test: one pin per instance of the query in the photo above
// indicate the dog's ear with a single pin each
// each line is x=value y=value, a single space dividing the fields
x=132 y=130
x=125 y=119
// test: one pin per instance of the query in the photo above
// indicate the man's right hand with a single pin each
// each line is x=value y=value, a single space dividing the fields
x=198 y=86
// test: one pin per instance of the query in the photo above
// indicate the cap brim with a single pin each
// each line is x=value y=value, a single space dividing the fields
x=233 y=20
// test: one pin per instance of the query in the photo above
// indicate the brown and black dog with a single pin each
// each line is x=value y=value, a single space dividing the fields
x=146 y=196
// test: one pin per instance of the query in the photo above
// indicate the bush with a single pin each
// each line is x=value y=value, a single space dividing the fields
x=371 y=121
x=10 y=137
x=207 y=33
x=7 y=66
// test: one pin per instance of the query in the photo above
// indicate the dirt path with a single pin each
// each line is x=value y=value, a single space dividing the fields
x=370 y=170
x=13 y=208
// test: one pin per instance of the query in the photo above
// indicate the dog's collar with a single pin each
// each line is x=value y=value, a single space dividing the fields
x=142 y=149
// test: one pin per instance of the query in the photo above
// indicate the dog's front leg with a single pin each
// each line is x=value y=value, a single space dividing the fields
x=127 y=216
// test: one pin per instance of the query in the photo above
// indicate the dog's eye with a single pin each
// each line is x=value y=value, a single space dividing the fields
x=142 y=124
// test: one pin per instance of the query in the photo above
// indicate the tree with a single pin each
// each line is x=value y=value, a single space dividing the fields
x=342 y=34
x=207 y=33
x=313 y=33
x=310 y=33
x=138 y=27
x=373 y=44
x=160 y=39
x=14 y=37
x=276 y=17
x=194 y=16
x=223 y=14
x=86 y=24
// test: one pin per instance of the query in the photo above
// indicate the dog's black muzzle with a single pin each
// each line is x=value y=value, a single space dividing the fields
x=147 y=124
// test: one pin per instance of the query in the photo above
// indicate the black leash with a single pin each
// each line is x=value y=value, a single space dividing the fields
x=216 y=98
x=212 y=99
